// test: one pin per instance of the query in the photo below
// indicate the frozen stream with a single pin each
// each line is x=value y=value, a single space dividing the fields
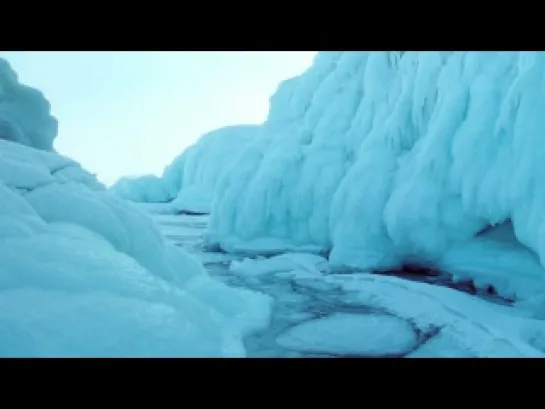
x=317 y=314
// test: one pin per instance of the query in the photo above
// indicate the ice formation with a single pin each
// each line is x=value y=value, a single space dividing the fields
x=85 y=273
x=381 y=159
x=190 y=180
x=385 y=158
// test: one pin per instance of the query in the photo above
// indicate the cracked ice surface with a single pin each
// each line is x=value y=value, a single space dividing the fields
x=319 y=314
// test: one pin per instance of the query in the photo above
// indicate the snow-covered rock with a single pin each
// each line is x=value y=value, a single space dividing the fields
x=85 y=273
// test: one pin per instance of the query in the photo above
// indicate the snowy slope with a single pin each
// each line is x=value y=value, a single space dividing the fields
x=389 y=157
x=190 y=180
x=84 y=273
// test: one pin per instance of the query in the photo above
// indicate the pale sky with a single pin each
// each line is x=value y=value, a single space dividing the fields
x=131 y=113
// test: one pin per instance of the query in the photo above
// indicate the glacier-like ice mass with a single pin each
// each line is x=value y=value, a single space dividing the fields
x=374 y=160
x=84 y=273
x=386 y=156
x=381 y=159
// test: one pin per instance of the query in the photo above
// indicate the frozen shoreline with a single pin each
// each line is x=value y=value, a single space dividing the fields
x=312 y=306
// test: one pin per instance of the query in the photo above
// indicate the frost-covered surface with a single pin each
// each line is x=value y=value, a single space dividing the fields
x=389 y=157
x=85 y=273
x=320 y=314
x=189 y=182
x=352 y=335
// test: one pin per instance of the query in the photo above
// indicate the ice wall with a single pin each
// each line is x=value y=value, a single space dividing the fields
x=385 y=157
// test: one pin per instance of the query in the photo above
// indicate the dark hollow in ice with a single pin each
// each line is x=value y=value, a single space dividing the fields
x=429 y=275
x=191 y=213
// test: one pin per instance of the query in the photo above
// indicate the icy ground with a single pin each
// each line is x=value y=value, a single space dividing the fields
x=319 y=314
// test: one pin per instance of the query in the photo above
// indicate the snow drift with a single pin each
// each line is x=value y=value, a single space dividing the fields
x=190 y=180
x=84 y=273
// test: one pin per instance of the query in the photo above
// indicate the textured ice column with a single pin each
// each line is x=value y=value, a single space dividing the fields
x=382 y=126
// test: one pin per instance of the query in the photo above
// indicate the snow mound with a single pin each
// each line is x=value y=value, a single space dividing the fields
x=85 y=273
x=190 y=180
x=390 y=157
